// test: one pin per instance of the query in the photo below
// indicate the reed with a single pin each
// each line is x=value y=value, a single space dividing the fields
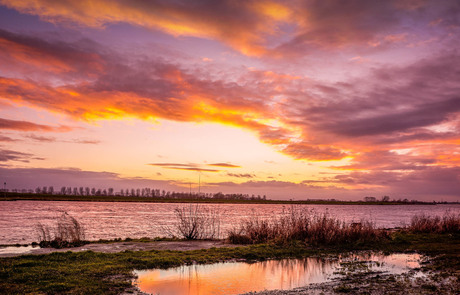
x=67 y=232
x=298 y=224
x=448 y=223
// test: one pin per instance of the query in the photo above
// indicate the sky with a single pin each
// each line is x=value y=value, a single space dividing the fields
x=289 y=99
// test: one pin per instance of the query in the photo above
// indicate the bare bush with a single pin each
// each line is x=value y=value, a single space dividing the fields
x=195 y=222
x=448 y=223
x=68 y=232
x=304 y=225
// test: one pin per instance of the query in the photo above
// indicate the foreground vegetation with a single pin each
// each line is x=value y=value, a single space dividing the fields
x=297 y=233
x=103 y=273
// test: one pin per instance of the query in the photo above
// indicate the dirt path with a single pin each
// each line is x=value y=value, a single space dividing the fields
x=118 y=247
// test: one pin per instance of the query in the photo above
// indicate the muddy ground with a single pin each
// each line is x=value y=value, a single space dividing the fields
x=119 y=247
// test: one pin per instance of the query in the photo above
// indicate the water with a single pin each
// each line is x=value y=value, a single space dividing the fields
x=109 y=220
x=18 y=250
x=240 y=277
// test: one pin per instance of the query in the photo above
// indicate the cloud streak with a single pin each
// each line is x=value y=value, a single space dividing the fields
x=10 y=155
x=29 y=126
x=194 y=167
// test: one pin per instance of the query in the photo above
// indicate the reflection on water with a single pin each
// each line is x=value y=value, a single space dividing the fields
x=239 y=277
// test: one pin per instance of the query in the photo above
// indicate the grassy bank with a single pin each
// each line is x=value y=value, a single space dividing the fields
x=55 y=197
x=102 y=273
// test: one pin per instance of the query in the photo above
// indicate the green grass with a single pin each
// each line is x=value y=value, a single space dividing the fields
x=111 y=273
x=100 y=273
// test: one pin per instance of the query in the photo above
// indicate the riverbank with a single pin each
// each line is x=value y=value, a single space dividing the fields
x=90 y=272
x=79 y=198
x=115 y=247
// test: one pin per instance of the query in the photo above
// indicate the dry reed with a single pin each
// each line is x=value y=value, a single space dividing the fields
x=304 y=225
x=448 y=223
x=68 y=232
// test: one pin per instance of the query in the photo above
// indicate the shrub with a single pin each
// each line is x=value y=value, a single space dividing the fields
x=195 y=222
x=68 y=232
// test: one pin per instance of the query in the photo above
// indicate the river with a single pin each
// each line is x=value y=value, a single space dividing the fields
x=109 y=220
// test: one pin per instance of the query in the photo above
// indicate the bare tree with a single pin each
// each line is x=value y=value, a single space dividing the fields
x=195 y=222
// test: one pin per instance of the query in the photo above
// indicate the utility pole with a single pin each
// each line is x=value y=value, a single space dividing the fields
x=4 y=189
x=199 y=183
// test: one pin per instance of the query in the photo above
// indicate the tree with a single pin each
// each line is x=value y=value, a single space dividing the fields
x=369 y=199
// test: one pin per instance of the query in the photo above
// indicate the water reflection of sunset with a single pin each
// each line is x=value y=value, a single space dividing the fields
x=237 y=277
x=234 y=278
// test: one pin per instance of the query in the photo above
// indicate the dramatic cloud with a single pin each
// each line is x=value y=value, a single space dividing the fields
x=367 y=89
x=312 y=122
x=252 y=26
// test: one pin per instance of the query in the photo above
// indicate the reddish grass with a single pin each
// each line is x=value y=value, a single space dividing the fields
x=68 y=232
x=304 y=225
x=448 y=223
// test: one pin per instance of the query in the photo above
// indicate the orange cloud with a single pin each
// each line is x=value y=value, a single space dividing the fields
x=225 y=165
x=43 y=56
x=222 y=20
x=300 y=117
x=254 y=28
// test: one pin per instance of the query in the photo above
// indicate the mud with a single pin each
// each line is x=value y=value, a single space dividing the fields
x=119 y=247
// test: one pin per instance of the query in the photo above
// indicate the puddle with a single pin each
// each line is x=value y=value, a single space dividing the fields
x=395 y=264
x=240 y=277
x=17 y=250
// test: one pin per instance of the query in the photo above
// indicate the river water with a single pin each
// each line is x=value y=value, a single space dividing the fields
x=109 y=220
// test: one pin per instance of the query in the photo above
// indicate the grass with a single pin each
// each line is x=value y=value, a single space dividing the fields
x=111 y=273
x=99 y=273
x=448 y=223
x=301 y=224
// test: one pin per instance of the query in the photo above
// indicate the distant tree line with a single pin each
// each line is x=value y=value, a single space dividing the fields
x=138 y=192
x=387 y=199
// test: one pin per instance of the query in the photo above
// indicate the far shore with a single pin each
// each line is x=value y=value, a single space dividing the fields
x=114 y=198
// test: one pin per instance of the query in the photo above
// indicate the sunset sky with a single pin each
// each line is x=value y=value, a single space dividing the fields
x=289 y=99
